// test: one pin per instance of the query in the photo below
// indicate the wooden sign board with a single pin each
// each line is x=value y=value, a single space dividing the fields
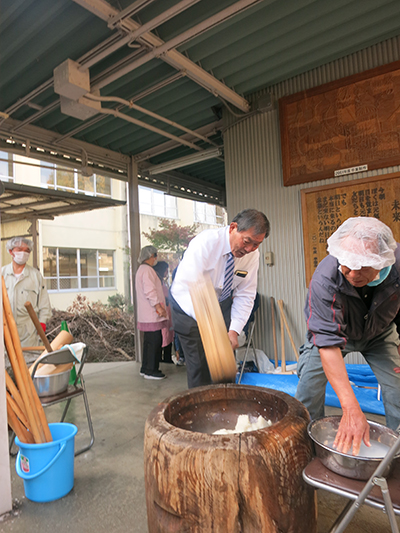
x=350 y=125
x=325 y=208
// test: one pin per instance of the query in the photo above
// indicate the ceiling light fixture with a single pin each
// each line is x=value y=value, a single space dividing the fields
x=185 y=161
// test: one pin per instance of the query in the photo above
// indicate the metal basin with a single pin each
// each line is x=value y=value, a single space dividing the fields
x=51 y=384
x=323 y=431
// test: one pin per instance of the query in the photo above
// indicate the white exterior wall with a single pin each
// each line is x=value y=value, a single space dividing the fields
x=100 y=229
x=254 y=179
x=185 y=210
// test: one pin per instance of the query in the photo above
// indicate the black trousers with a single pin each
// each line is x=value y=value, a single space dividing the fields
x=167 y=353
x=152 y=342
x=188 y=332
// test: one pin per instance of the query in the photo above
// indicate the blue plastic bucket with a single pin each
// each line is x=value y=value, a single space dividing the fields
x=48 y=469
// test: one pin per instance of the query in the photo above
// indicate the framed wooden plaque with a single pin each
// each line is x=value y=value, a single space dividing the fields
x=350 y=125
x=324 y=209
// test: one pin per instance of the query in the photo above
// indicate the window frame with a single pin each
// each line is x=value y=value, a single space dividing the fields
x=218 y=220
x=11 y=166
x=76 y=189
x=98 y=277
x=154 y=208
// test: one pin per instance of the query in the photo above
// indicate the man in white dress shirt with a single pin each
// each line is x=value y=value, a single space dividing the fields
x=207 y=255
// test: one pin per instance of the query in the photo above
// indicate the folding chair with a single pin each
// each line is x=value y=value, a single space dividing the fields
x=377 y=492
x=59 y=357
x=249 y=344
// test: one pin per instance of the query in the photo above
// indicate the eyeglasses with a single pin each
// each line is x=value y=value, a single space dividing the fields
x=249 y=242
x=155 y=255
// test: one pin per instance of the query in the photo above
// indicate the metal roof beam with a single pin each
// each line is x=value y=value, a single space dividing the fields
x=135 y=98
x=134 y=35
x=128 y=12
x=106 y=12
x=206 y=131
x=39 y=143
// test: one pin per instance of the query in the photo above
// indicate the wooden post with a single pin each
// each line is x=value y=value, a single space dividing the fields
x=274 y=331
x=288 y=330
x=283 y=357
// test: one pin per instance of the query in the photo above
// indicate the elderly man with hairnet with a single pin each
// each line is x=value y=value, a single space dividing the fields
x=25 y=284
x=353 y=305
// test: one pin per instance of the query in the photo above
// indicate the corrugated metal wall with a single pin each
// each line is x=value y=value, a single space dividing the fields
x=254 y=179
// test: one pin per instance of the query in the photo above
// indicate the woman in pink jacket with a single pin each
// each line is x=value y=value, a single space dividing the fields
x=151 y=312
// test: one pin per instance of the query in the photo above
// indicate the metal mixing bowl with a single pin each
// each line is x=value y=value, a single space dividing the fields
x=323 y=431
x=52 y=383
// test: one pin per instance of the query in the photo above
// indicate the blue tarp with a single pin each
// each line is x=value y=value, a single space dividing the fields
x=358 y=374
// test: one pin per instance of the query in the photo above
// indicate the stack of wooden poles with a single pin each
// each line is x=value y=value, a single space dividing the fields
x=25 y=413
x=284 y=324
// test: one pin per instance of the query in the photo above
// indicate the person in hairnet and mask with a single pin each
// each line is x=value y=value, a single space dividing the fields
x=353 y=305
x=25 y=284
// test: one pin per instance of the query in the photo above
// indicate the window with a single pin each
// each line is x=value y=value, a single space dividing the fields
x=65 y=179
x=208 y=214
x=157 y=203
x=78 y=269
x=6 y=166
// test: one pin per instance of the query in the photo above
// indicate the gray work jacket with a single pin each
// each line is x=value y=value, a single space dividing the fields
x=29 y=287
x=335 y=312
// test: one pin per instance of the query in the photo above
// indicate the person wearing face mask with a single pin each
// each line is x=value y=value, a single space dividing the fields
x=25 y=284
x=353 y=305
x=230 y=257
x=151 y=313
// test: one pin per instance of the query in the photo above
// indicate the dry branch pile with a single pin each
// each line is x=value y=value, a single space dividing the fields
x=108 y=332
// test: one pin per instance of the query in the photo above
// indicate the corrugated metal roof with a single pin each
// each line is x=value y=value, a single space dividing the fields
x=267 y=42
x=24 y=202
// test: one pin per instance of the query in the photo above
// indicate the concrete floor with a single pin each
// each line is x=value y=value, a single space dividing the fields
x=108 y=493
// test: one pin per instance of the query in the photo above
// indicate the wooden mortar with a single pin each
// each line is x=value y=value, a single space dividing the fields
x=248 y=482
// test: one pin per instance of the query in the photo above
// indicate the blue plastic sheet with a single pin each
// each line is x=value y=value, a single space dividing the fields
x=361 y=375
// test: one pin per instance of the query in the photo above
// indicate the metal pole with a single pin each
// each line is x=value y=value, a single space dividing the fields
x=367 y=489
x=34 y=233
x=134 y=240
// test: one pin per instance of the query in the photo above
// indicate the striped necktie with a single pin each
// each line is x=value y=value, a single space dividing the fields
x=228 y=279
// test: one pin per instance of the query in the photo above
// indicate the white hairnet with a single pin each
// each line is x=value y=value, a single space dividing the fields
x=17 y=241
x=363 y=242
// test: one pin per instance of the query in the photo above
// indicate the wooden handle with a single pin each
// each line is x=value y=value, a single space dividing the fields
x=38 y=326
x=288 y=330
x=17 y=410
x=32 y=348
x=12 y=389
x=21 y=373
x=22 y=433
x=274 y=331
x=283 y=356
x=23 y=385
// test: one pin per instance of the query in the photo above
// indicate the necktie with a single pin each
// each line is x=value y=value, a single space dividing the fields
x=228 y=279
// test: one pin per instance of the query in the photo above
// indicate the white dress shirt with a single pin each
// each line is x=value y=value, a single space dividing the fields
x=207 y=254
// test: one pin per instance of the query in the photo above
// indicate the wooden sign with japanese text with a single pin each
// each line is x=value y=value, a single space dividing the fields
x=325 y=208
x=348 y=126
